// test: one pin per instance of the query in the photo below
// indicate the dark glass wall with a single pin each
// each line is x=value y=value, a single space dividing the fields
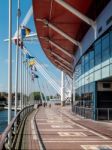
x=100 y=51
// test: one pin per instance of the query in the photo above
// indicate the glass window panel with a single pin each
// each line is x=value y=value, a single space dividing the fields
x=91 y=54
x=105 y=42
x=98 y=52
x=98 y=47
x=105 y=54
x=111 y=38
x=97 y=59
x=111 y=42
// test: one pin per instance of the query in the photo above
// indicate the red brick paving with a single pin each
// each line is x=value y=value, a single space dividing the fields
x=60 y=129
x=60 y=132
x=104 y=128
x=28 y=141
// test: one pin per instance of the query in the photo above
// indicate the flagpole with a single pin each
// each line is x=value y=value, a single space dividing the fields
x=17 y=59
x=21 y=79
x=10 y=69
x=27 y=83
x=23 y=83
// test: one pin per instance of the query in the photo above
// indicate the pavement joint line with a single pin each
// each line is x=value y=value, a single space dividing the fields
x=98 y=134
x=61 y=126
x=86 y=139
x=96 y=147
x=64 y=141
x=72 y=134
x=71 y=130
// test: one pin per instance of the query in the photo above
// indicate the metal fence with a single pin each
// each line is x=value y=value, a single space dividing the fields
x=98 y=113
x=13 y=128
x=103 y=113
x=82 y=111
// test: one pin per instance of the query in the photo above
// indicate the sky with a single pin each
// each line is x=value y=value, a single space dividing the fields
x=34 y=48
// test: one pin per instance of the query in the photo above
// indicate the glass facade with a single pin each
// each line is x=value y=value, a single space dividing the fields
x=94 y=65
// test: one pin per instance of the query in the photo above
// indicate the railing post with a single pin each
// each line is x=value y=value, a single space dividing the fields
x=97 y=113
x=108 y=114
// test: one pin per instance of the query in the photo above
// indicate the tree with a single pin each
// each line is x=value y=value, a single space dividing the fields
x=37 y=96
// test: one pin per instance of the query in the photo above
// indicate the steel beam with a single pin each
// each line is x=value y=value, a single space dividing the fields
x=57 y=46
x=56 y=29
x=68 y=66
x=63 y=65
x=76 y=12
x=62 y=59
x=61 y=49
x=64 y=69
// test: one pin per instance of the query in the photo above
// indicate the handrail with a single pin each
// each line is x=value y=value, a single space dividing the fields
x=11 y=125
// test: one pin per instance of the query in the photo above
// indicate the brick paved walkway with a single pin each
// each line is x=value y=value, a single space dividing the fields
x=60 y=132
x=103 y=127
x=60 y=129
x=29 y=137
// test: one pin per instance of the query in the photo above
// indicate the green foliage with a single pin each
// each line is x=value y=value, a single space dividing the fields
x=36 y=95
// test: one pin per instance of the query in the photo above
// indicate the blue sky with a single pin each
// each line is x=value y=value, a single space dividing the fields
x=35 y=48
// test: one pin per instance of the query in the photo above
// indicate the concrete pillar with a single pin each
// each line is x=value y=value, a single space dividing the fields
x=62 y=88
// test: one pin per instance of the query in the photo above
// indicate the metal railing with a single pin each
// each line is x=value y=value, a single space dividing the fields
x=13 y=128
x=83 y=111
x=97 y=114
x=103 y=113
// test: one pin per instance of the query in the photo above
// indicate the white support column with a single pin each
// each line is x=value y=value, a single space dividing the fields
x=95 y=31
x=56 y=29
x=74 y=89
x=62 y=88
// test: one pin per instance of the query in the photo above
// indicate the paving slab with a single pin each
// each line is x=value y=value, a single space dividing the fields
x=60 y=130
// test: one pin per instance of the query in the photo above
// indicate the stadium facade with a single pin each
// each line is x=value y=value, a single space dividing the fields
x=82 y=29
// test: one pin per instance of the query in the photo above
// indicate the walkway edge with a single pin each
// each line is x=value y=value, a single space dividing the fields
x=40 y=142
